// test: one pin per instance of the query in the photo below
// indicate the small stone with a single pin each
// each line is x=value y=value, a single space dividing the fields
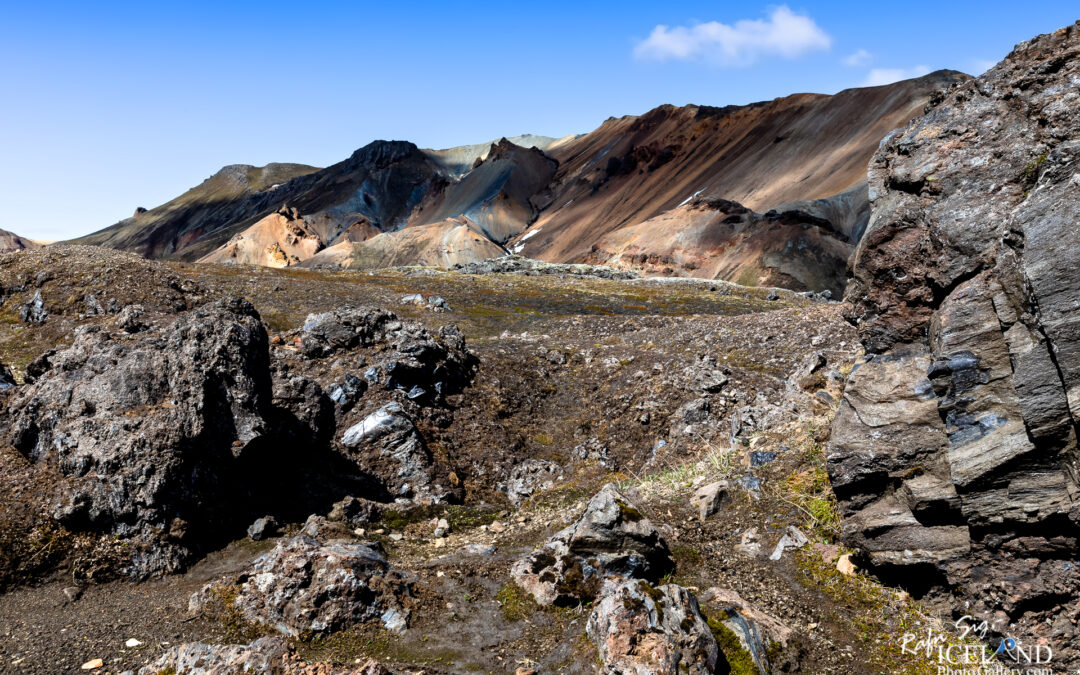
x=72 y=593
x=845 y=566
x=761 y=458
x=793 y=538
x=709 y=498
x=750 y=542
x=442 y=528
x=93 y=664
x=397 y=536
x=497 y=527
x=132 y=643
x=772 y=296
x=262 y=528
x=359 y=531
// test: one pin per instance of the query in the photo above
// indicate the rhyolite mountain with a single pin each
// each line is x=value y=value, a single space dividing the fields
x=9 y=241
x=639 y=192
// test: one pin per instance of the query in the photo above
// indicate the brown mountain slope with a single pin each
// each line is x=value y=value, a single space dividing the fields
x=9 y=241
x=235 y=193
x=443 y=244
x=378 y=185
x=720 y=239
x=763 y=155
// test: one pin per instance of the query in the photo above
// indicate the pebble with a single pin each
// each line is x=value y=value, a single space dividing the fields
x=132 y=643
x=93 y=664
x=497 y=527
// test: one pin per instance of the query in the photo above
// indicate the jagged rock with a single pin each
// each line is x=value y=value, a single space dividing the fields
x=7 y=379
x=956 y=438
x=262 y=528
x=306 y=586
x=269 y=655
x=92 y=305
x=130 y=319
x=706 y=376
x=761 y=458
x=386 y=444
x=750 y=542
x=792 y=538
x=409 y=358
x=530 y=476
x=644 y=630
x=34 y=311
x=200 y=387
x=709 y=498
x=592 y=449
x=611 y=538
x=773 y=646
x=354 y=511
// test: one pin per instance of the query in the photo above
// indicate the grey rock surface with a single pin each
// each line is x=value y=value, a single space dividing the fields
x=152 y=430
x=955 y=444
x=306 y=586
x=646 y=630
x=610 y=539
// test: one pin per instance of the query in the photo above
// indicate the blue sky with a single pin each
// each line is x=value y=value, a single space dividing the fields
x=108 y=106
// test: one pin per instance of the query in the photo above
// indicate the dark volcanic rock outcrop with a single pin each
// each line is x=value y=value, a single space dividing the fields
x=610 y=539
x=955 y=446
x=153 y=431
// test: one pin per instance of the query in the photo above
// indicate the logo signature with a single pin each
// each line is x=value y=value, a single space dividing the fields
x=969 y=652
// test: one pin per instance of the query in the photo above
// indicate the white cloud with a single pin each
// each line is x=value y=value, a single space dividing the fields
x=879 y=76
x=859 y=58
x=784 y=34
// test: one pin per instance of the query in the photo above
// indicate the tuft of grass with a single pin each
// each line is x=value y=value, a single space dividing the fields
x=516 y=604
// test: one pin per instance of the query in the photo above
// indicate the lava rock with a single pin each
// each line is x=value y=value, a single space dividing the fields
x=34 y=311
x=264 y=527
x=306 y=586
x=774 y=646
x=7 y=379
x=201 y=389
x=387 y=444
x=646 y=630
x=709 y=498
x=528 y=477
x=761 y=458
x=611 y=538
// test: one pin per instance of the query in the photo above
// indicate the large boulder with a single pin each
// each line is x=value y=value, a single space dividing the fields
x=644 y=630
x=305 y=586
x=151 y=430
x=386 y=444
x=610 y=539
x=409 y=357
x=955 y=445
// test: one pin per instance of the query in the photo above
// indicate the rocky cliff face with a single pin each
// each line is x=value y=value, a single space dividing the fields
x=955 y=445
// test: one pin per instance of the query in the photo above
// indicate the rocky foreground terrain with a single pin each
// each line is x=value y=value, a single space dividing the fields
x=524 y=467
